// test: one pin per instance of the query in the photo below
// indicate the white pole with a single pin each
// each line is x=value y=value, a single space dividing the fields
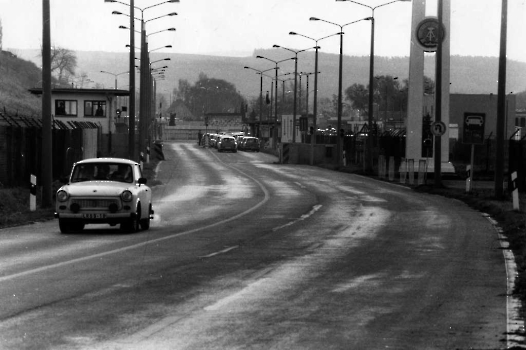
x=33 y=194
x=515 y=192
x=468 y=179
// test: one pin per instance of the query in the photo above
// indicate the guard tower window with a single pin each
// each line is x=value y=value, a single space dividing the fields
x=95 y=108
x=66 y=108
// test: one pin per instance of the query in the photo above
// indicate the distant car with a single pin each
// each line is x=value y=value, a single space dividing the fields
x=250 y=144
x=104 y=190
x=474 y=121
x=213 y=140
x=227 y=143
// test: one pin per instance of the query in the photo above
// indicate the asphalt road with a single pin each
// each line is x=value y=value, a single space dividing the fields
x=245 y=253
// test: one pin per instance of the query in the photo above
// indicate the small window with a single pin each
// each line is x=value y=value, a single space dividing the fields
x=523 y=122
x=65 y=108
x=95 y=108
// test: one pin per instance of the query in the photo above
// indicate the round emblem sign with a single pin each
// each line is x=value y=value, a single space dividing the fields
x=438 y=128
x=427 y=34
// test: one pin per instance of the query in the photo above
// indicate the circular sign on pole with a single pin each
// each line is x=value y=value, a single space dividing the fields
x=427 y=34
x=438 y=128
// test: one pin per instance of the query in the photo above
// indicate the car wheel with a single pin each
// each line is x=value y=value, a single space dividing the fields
x=64 y=226
x=77 y=226
x=132 y=225
x=70 y=226
x=145 y=223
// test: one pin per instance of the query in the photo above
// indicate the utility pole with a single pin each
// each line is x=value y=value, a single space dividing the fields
x=47 y=148
x=501 y=104
x=438 y=100
x=131 y=117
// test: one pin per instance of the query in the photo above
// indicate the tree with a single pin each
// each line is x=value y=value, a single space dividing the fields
x=63 y=63
x=358 y=96
x=429 y=86
x=209 y=95
x=1 y=35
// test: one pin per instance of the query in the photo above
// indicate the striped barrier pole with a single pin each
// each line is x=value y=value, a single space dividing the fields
x=285 y=153
x=515 y=193
x=468 y=179
x=33 y=193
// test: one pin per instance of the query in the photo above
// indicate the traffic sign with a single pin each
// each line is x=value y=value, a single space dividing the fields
x=438 y=128
x=473 y=128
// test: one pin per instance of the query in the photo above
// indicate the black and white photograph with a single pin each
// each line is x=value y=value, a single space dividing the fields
x=280 y=174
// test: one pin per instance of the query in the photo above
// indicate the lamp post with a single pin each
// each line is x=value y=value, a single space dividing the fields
x=115 y=75
x=294 y=112
x=159 y=48
x=144 y=61
x=315 y=107
x=338 y=141
x=276 y=94
x=371 y=79
x=307 y=97
x=260 y=72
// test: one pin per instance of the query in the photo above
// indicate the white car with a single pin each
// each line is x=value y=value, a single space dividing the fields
x=226 y=143
x=104 y=190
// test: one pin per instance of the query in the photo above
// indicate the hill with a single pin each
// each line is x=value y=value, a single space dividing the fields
x=470 y=75
x=17 y=76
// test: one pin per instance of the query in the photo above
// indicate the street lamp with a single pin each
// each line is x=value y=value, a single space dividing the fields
x=164 y=59
x=276 y=89
x=296 y=52
x=162 y=47
x=338 y=141
x=307 y=97
x=371 y=78
x=115 y=75
x=260 y=72
x=145 y=90
x=315 y=108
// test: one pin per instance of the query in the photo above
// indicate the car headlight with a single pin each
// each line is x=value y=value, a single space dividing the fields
x=62 y=196
x=126 y=196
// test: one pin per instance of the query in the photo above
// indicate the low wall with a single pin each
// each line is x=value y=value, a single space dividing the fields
x=300 y=153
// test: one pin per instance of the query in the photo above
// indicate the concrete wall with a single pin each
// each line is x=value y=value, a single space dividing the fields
x=300 y=153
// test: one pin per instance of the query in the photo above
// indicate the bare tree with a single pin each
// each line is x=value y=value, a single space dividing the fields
x=1 y=34
x=63 y=63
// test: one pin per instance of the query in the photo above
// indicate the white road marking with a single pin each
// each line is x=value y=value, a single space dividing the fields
x=515 y=324
x=303 y=217
x=220 y=252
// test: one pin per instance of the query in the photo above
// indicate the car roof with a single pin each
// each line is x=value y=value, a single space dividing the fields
x=107 y=160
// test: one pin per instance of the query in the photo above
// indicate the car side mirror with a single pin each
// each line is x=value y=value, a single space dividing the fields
x=142 y=181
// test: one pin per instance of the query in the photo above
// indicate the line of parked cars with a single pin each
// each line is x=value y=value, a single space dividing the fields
x=233 y=142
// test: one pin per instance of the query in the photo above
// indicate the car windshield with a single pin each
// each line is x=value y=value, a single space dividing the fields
x=102 y=172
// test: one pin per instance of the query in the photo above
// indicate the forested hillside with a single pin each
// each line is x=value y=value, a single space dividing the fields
x=18 y=75
x=469 y=75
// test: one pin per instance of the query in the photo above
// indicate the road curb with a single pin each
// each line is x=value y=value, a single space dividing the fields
x=514 y=323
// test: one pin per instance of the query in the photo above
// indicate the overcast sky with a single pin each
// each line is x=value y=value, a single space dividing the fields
x=237 y=27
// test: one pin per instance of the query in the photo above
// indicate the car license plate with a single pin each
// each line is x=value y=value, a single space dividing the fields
x=94 y=216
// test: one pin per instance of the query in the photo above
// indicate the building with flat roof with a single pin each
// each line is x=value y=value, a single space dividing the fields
x=100 y=106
